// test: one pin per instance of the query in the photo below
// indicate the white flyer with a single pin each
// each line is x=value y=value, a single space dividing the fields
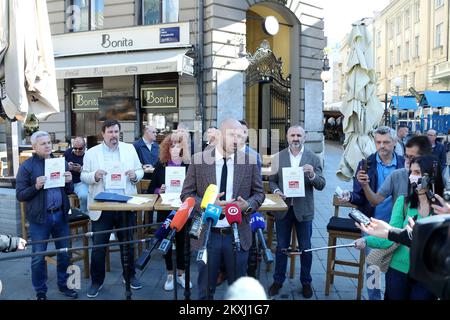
x=174 y=179
x=293 y=182
x=54 y=171
x=115 y=177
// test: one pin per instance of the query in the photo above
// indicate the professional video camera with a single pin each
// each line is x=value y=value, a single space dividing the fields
x=427 y=183
x=430 y=254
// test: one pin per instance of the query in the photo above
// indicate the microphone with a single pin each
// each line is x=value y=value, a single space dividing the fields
x=258 y=224
x=234 y=218
x=210 y=217
x=160 y=234
x=209 y=197
x=178 y=223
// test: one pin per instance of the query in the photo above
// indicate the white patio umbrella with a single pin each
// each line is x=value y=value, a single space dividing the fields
x=361 y=107
x=30 y=82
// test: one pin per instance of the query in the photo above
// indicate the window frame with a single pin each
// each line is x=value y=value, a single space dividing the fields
x=91 y=24
x=436 y=44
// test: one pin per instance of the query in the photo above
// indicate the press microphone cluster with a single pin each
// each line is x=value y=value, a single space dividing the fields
x=160 y=234
x=177 y=223
x=258 y=224
x=234 y=217
x=210 y=218
x=209 y=197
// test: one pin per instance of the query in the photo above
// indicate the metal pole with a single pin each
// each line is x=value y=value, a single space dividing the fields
x=386 y=109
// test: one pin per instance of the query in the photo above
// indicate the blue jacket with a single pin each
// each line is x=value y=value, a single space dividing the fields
x=36 y=200
x=439 y=152
x=145 y=156
x=357 y=196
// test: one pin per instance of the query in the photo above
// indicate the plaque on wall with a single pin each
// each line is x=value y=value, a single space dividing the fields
x=159 y=97
x=85 y=101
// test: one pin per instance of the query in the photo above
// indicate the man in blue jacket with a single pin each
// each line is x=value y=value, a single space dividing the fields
x=438 y=149
x=379 y=165
x=47 y=212
x=147 y=150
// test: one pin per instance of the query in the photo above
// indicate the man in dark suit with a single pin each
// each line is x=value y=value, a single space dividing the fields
x=438 y=149
x=147 y=150
x=301 y=209
x=240 y=182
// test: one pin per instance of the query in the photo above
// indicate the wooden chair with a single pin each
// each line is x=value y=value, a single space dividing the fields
x=339 y=227
x=142 y=186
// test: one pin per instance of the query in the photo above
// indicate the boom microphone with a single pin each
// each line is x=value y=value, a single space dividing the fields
x=160 y=234
x=258 y=224
x=211 y=217
x=178 y=223
x=234 y=218
x=209 y=197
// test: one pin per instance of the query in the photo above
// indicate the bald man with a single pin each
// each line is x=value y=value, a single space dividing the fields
x=239 y=180
x=438 y=149
x=74 y=156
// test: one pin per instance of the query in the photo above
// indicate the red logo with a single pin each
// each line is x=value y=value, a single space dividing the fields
x=175 y=183
x=232 y=211
x=116 y=176
x=294 y=185
x=55 y=175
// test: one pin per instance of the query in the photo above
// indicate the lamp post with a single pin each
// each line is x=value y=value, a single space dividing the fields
x=398 y=82
x=326 y=73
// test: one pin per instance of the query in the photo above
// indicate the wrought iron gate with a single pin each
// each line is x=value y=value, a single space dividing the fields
x=280 y=115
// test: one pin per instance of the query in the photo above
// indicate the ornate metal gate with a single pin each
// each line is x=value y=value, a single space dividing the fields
x=266 y=70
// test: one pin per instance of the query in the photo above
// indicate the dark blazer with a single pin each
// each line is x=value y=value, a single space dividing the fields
x=440 y=153
x=159 y=176
x=357 y=196
x=304 y=206
x=145 y=156
x=36 y=200
x=247 y=183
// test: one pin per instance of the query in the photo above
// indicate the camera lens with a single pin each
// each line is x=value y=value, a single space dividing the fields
x=437 y=252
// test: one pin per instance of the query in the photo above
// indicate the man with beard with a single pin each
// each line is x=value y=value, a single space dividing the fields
x=301 y=209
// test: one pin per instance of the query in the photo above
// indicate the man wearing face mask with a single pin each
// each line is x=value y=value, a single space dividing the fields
x=379 y=166
x=301 y=210
x=396 y=184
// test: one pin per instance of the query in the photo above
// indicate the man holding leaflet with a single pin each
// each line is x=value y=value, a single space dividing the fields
x=297 y=192
x=111 y=166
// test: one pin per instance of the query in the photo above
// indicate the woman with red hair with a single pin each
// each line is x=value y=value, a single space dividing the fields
x=173 y=152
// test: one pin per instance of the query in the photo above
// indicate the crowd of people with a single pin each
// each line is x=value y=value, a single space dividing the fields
x=388 y=187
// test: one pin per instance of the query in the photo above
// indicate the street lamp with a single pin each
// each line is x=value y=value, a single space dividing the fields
x=326 y=73
x=398 y=82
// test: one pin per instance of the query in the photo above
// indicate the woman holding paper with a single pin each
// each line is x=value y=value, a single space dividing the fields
x=173 y=153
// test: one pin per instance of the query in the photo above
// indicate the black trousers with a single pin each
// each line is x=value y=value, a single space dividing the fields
x=109 y=220
x=179 y=241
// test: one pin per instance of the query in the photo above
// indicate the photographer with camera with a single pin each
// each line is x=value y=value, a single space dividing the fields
x=417 y=205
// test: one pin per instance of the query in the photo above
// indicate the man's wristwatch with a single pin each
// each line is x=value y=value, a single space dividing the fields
x=249 y=208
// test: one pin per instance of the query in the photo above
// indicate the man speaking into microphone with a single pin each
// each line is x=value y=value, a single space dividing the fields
x=240 y=183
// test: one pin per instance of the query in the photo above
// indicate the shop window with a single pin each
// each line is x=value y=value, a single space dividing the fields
x=84 y=15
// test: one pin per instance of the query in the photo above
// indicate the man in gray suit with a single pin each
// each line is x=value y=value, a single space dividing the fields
x=240 y=182
x=301 y=209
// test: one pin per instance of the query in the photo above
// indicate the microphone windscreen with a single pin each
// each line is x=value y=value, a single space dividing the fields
x=163 y=231
x=210 y=196
x=233 y=213
x=257 y=222
x=182 y=214
x=212 y=212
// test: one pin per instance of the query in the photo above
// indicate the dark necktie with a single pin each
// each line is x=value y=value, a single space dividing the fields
x=223 y=180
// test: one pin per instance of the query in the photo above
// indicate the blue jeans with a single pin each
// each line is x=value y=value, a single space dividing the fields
x=81 y=189
x=56 y=227
x=375 y=293
x=304 y=232
x=400 y=287
x=220 y=252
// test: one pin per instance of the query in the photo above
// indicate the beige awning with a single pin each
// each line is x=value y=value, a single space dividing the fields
x=119 y=64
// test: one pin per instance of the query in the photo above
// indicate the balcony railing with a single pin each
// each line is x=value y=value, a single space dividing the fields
x=442 y=70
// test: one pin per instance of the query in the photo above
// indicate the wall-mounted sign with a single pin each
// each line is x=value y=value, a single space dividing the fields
x=159 y=97
x=85 y=101
x=168 y=35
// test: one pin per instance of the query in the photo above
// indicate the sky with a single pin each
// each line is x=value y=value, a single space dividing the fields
x=340 y=14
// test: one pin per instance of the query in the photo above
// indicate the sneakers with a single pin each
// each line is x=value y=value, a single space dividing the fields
x=182 y=281
x=275 y=289
x=168 y=286
x=68 y=292
x=41 y=296
x=94 y=290
x=135 y=284
x=307 y=290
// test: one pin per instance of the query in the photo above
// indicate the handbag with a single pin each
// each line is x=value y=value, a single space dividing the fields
x=382 y=257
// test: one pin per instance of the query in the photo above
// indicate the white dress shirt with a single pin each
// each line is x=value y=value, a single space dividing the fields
x=148 y=144
x=110 y=158
x=230 y=174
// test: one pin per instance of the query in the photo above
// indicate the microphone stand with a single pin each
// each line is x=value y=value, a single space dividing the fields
x=258 y=257
x=175 y=269
x=126 y=258
x=187 y=261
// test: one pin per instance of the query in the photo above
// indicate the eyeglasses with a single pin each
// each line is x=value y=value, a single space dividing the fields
x=78 y=149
